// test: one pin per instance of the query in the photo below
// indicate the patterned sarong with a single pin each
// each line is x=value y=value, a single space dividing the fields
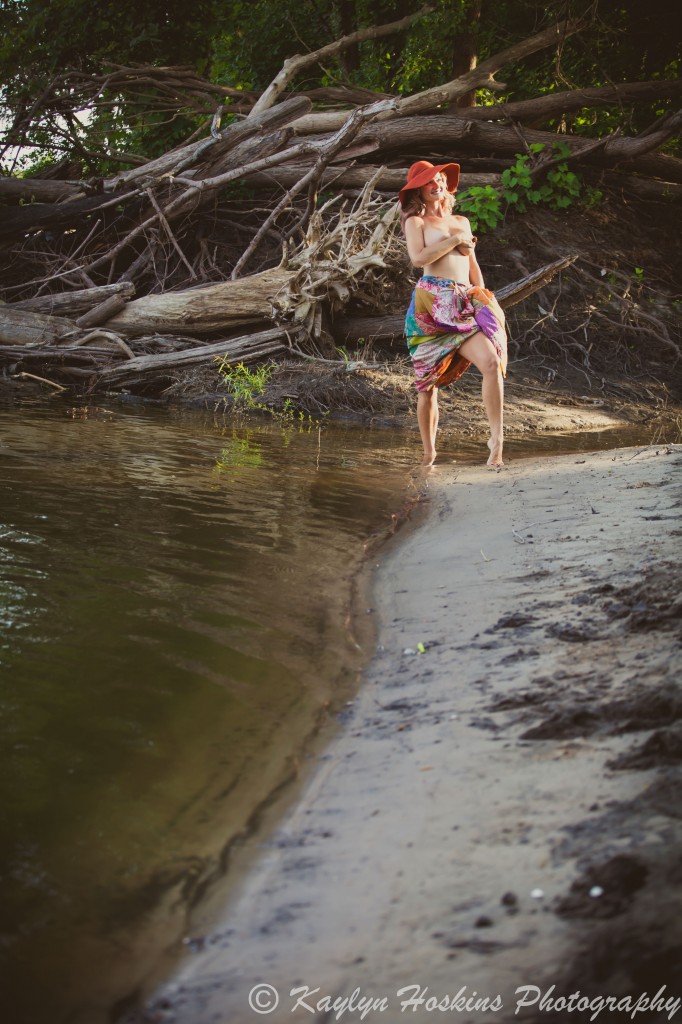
x=443 y=314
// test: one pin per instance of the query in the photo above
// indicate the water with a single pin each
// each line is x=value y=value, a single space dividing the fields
x=174 y=606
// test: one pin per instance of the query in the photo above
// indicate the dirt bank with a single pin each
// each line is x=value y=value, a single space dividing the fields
x=501 y=807
x=384 y=394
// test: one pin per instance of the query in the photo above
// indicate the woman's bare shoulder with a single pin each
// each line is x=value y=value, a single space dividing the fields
x=414 y=223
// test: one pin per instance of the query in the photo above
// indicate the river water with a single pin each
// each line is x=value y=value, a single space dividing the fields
x=175 y=594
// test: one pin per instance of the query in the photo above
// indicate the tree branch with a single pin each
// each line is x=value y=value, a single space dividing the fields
x=479 y=77
x=293 y=65
x=573 y=99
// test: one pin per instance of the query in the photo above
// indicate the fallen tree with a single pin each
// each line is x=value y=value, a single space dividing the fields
x=126 y=279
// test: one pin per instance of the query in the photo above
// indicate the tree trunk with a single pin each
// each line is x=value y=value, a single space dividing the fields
x=373 y=328
x=247 y=348
x=481 y=77
x=350 y=57
x=440 y=133
x=56 y=216
x=215 y=307
x=40 y=190
x=465 y=53
x=74 y=303
x=18 y=327
x=645 y=188
x=540 y=108
x=389 y=180
x=224 y=141
x=101 y=313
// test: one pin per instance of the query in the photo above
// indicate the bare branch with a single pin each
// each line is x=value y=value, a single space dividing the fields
x=293 y=65
x=479 y=77
x=171 y=236
x=542 y=107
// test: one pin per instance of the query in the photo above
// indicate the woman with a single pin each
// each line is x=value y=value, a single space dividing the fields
x=453 y=321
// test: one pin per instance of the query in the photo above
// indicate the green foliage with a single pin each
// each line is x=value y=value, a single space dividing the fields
x=47 y=37
x=243 y=44
x=591 y=197
x=247 y=385
x=486 y=206
x=42 y=39
x=482 y=204
x=244 y=384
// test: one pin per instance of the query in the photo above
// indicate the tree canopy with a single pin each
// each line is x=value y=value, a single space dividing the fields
x=242 y=44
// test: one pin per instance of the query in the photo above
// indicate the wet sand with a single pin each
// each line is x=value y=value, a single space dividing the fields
x=501 y=807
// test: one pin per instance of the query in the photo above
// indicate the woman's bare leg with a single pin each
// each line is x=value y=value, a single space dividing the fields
x=481 y=352
x=427 y=418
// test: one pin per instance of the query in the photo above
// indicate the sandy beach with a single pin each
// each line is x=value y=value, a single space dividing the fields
x=499 y=812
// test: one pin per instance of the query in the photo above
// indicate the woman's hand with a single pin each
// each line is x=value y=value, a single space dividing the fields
x=467 y=246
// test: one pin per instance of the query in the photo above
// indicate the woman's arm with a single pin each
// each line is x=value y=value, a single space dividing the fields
x=467 y=247
x=475 y=275
x=422 y=254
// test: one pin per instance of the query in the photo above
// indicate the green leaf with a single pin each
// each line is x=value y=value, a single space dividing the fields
x=561 y=149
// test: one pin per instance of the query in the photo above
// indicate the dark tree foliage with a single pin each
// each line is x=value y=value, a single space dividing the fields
x=243 y=44
x=626 y=42
x=44 y=37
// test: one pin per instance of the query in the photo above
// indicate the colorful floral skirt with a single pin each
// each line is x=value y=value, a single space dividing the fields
x=443 y=315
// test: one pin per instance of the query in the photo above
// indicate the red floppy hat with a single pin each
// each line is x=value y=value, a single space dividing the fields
x=423 y=172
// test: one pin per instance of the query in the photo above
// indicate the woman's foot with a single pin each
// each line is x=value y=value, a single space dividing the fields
x=429 y=457
x=495 y=461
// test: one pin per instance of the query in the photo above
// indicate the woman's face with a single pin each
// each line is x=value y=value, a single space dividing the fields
x=435 y=190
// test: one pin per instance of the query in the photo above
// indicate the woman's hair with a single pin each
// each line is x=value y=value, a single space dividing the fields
x=414 y=207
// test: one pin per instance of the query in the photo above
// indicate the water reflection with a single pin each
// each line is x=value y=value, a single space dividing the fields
x=174 y=592
x=173 y=597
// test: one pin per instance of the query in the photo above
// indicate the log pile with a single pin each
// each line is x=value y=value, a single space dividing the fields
x=258 y=237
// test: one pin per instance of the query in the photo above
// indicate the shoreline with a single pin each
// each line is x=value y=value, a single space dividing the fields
x=503 y=808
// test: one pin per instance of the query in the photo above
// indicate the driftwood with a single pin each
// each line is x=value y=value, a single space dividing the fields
x=353 y=178
x=296 y=64
x=165 y=246
x=18 y=327
x=656 y=165
x=102 y=312
x=116 y=365
x=75 y=302
x=53 y=216
x=645 y=188
x=480 y=77
x=519 y=290
x=445 y=132
x=176 y=160
x=215 y=307
x=542 y=107
x=94 y=364
x=434 y=133
x=381 y=328
x=28 y=189
x=248 y=348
